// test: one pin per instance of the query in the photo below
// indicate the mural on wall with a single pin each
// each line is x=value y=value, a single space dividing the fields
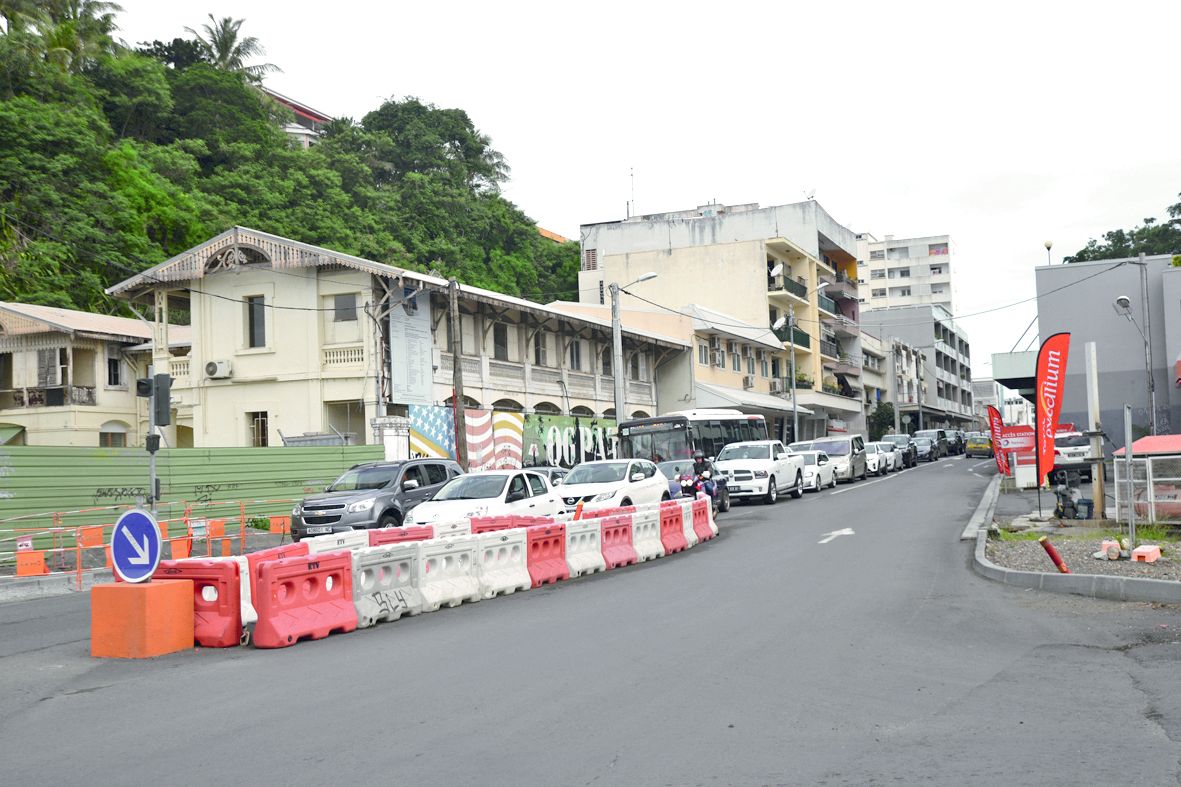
x=497 y=439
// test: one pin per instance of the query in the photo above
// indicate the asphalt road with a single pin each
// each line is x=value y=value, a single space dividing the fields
x=762 y=657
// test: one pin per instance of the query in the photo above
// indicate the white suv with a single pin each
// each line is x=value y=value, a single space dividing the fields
x=761 y=468
x=613 y=482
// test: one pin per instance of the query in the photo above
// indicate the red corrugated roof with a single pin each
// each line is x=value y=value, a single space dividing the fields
x=1155 y=444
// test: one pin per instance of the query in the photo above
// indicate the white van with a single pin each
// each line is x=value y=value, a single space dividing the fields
x=847 y=453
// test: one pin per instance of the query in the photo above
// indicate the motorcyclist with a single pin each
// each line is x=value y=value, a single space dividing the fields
x=703 y=469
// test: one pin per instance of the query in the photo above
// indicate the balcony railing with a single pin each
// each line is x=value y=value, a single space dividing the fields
x=802 y=339
x=48 y=396
x=829 y=348
x=347 y=355
x=826 y=303
x=179 y=368
x=785 y=284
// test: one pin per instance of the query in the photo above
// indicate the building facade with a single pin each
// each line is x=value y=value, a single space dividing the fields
x=905 y=271
x=757 y=265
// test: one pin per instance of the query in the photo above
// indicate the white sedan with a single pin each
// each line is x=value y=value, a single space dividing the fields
x=489 y=493
x=613 y=482
x=819 y=471
x=877 y=461
x=892 y=452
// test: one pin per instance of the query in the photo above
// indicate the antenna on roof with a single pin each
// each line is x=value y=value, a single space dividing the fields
x=810 y=195
x=632 y=174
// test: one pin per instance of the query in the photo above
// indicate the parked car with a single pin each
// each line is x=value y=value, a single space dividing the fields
x=847 y=454
x=762 y=469
x=1071 y=450
x=375 y=494
x=802 y=445
x=608 y=483
x=978 y=444
x=958 y=440
x=553 y=474
x=910 y=454
x=818 y=470
x=877 y=461
x=490 y=493
x=892 y=453
x=928 y=451
x=938 y=438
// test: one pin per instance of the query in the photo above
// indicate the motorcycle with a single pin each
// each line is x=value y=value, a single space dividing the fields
x=692 y=484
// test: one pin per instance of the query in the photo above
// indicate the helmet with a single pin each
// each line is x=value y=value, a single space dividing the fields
x=698 y=454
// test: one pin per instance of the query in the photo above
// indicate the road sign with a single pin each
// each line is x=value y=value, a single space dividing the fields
x=135 y=546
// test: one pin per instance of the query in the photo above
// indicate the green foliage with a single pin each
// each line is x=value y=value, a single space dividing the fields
x=881 y=420
x=112 y=160
x=1150 y=237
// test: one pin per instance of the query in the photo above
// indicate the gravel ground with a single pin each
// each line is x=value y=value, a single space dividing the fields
x=1030 y=556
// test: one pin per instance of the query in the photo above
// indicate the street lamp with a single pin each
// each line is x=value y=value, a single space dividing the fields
x=1049 y=245
x=1123 y=307
x=617 y=341
x=790 y=321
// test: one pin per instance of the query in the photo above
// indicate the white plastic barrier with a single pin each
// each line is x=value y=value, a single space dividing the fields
x=249 y=615
x=447 y=573
x=686 y=504
x=384 y=582
x=584 y=547
x=501 y=562
x=351 y=540
x=458 y=527
x=646 y=533
x=710 y=514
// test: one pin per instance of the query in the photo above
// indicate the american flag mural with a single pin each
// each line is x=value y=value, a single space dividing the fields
x=432 y=431
x=481 y=445
x=507 y=432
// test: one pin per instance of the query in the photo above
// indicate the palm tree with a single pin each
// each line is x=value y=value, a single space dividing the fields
x=77 y=32
x=223 y=48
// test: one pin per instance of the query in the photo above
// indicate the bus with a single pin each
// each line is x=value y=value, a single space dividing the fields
x=678 y=434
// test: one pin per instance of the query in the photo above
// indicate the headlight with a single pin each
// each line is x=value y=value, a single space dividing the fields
x=362 y=505
x=760 y=474
x=297 y=510
x=604 y=496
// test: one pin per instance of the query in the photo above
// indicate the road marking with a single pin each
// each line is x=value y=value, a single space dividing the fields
x=846 y=531
x=985 y=462
x=862 y=485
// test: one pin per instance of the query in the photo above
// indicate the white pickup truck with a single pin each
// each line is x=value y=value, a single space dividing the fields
x=761 y=468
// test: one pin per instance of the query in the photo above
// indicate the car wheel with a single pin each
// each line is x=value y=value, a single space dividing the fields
x=724 y=501
x=389 y=519
x=816 y=486
x=798 y=491
x=833 y=484
x=865 y=473
x=625 y=502
x=772 y=495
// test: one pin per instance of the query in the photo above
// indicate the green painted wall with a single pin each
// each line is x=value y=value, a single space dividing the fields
x=39 y=479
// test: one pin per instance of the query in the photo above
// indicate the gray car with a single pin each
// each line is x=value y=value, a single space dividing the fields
x=375 y=494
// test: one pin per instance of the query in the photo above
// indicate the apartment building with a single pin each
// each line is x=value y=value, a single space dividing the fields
x=944 y=395
x=285 y=339
x=761 y=266
x=905 y=271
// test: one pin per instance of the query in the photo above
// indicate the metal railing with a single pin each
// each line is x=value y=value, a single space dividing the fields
x=785 y=284
x=829 y=348
x=826 y=303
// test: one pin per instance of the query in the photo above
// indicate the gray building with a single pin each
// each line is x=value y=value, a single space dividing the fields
x=947 y=362
x=1081 y=298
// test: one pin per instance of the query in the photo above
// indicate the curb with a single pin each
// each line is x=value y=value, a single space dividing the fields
x=982 y=518
x=1091 y=585
x=50 y=585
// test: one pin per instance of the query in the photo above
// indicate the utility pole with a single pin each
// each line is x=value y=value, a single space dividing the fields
x=1093 y=426
x=791 y=335
x=617 y=354
x=894 y=387
x=1148 y=345
x=457 y=373
x=918 y=359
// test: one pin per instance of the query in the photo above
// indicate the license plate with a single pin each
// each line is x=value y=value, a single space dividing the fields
x=318 y=530
x=739 y=489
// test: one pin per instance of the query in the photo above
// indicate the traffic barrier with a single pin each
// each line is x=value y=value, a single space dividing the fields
x=447 y=572
x=584 y=547
x=458 y=527
x=217 y=600
x=256 y=559
x=672 y=529
x=701 y=515
x=137 y=621
x=398 y=535
x=350 y=539
x=601 y=513
x=383 y=582
x=501 y=563
x=216 y=528
x=279 y=524
x=247 y=582
x=546 y=546
x=616 y=535
x=686 y=506
x=490 y=524
x=30 y=563
x=646 y=534
x=531 y=521
x=302 y=597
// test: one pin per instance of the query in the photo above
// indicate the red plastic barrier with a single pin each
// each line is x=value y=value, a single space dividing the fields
x=617 y=541
x=546 y=545
x=217 y=607
x=256 y=559
x=396 y=535
x=701 y=519
x=530 y=521
x=302 y=597
x=672 y=528
x=487 y=524
x=602 y=513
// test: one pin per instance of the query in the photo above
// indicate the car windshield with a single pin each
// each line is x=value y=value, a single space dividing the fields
x=885 y=448
x=472 y=487
x=600 y=473
x=800 y=446
x=745 y=452
x=896 y=439
x=1071 y=441
x=923 y=442
x=927 y=435
x=832 y=447
x=364 y=478
x=673 y=469
x=809 y=459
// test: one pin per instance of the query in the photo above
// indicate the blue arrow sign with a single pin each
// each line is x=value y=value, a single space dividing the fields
x=135 y=546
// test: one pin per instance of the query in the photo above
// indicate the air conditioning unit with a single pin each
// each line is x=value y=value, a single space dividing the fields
x=715 y=343
x=717 y=358
x=748 y=351
x=748 y=381
x=762 y=356
x=217 y=370
x=732 y=346
x=776 y=386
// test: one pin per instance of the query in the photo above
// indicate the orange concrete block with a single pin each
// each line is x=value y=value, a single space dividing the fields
x=1146 y=553
x=140 y=621
x=30 y=563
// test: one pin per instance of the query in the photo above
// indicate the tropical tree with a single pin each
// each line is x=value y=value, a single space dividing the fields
x=225 y=50
x=77 y=32
x=1151 y=237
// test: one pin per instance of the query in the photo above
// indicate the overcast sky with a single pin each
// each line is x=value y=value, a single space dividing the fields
x=1003 y=125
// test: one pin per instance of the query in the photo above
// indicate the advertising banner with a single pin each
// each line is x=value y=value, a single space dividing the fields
x=411 y=368
x=995 y=425
x=566 y=440
x=1051 y=377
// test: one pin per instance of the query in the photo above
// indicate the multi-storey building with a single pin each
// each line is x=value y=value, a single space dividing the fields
x=759 y=265
x=945 y=360
x=905 y=272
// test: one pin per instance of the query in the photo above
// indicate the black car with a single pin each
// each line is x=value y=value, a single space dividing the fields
x=910 y=453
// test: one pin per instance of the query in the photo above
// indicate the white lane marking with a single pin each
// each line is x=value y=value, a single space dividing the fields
x=845 y=531
x=985 y=462
x=862 y=485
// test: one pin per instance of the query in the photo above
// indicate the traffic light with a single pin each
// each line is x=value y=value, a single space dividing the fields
x=162 y=401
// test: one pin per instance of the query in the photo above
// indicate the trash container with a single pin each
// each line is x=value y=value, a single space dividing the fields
x=1086 y=508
